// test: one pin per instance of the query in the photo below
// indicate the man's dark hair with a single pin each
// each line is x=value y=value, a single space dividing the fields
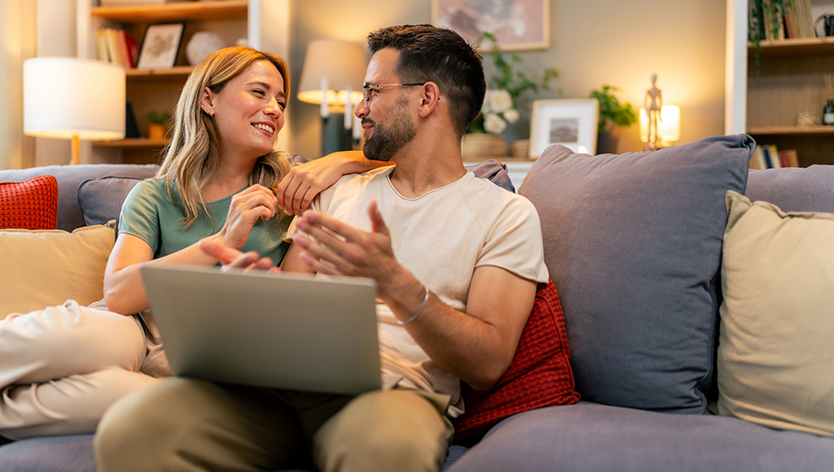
x=439 y=55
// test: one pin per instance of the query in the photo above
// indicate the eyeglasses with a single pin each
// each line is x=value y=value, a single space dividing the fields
x=368 y=90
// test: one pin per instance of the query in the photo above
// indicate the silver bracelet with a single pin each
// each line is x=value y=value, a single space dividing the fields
x=419 y=312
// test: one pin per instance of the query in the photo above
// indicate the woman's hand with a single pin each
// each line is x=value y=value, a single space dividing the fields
x=298 y=188
x=246 y=208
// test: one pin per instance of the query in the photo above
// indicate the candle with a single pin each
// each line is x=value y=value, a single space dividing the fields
x=348 y=120
x=325 y=112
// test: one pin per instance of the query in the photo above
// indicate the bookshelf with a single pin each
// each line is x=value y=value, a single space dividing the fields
x=158 y=89
x=790 y=81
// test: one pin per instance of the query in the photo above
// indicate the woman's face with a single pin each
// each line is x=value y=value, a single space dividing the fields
x=249 y=111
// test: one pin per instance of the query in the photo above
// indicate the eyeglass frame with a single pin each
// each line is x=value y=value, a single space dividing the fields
x=366 y=88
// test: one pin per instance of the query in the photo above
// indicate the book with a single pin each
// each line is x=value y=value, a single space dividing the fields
x=757 y=159
x=132 y=49
x=788 y=158
x=774 y=156
x=805 y=18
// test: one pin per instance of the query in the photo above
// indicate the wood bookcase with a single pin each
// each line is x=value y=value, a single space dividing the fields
x=790 y=81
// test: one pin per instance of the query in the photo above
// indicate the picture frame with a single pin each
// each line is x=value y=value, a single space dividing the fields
x=569 y=122
x=516 y=24
x=160 y=46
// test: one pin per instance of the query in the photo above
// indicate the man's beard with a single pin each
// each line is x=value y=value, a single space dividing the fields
x=384 y=142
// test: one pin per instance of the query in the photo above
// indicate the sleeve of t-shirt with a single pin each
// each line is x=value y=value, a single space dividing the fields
x=514 y=242
x=140 y=214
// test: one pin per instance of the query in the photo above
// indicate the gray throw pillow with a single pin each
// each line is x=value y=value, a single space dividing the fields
x=100 y=200
x=633 y=244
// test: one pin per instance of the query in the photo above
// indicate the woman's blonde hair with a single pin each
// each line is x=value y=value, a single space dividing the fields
x=192 y=157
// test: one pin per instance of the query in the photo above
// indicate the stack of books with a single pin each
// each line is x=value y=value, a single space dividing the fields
x=117 y=47
x=769 y=157
x=795 y=21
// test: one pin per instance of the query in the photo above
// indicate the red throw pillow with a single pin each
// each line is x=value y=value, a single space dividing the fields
x=539 y=375
x=32 y=204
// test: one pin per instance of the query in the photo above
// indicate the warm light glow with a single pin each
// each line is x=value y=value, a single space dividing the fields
x=669 y=125
x=65 y=97
x=342 y=63
x=69 y=98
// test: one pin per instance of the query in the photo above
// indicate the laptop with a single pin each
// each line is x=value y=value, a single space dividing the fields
x=280 y=330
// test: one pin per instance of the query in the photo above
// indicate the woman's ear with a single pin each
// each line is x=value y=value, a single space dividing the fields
x=207 y=101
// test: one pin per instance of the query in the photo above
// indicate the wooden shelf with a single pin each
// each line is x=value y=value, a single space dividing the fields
x=790 y=130
x=178 y=11
x=793 y=47
x=151 y=75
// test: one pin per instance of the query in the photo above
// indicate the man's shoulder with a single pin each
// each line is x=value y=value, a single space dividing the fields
x=487 y=194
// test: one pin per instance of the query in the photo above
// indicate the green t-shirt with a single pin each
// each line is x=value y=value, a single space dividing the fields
x=148 y=214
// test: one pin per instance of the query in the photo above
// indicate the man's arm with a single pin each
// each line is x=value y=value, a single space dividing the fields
x=476 y=346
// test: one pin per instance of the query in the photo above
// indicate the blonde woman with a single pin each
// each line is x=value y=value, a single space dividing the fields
x=60 y=368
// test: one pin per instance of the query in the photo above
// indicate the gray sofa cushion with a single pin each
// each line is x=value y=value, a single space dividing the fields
x=100 y=200
x=596 y=438
x=69 y=177
x=795 y=188
x=49 y=454
x=633 y=244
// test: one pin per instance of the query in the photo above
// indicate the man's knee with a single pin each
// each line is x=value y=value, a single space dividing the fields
x=400 y=431
x=136 y=431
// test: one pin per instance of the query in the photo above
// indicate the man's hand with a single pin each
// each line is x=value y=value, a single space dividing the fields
x=332 y=247
x=232 y=258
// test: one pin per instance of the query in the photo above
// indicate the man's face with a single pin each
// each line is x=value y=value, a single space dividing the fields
x=386 y=116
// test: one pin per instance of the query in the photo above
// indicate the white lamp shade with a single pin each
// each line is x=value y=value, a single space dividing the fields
x=342 y=63
x=668 y=127
x=65 y=97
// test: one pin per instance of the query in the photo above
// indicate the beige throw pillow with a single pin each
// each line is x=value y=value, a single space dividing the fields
x=45 y=268
x=776 y=345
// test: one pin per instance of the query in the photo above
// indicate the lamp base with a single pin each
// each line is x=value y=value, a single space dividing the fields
x=334 y=136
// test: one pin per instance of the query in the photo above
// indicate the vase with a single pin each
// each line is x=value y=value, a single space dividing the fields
x=479 y=146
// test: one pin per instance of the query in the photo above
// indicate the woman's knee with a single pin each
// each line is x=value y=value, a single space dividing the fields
x=70 y=339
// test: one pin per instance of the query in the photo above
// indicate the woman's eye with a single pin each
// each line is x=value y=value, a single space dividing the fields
x=259 y=92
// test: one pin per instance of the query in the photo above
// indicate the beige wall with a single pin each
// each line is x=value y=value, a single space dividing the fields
x=593 y=42
x=17 y=43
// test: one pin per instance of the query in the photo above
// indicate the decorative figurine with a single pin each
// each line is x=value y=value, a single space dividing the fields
x=653 y=103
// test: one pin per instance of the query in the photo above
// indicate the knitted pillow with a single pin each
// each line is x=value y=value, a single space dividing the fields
x=539 y=375
x=32 y=204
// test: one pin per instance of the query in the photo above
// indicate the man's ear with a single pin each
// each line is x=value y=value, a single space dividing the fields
x=207 y=101
x=429 y=99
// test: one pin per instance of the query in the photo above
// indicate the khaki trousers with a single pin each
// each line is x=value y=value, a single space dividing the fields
x=60 y=368
x=190 y=425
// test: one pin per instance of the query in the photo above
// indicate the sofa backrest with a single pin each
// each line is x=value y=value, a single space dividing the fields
x=70 y=177
x=794 y=188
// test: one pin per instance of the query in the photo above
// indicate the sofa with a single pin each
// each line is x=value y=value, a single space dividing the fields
x=695 y=301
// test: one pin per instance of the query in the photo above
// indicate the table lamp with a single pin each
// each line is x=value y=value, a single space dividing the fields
x=332 y=76
x=668 y=128
x=70 y=98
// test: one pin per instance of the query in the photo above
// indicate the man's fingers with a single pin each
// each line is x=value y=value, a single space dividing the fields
x=215 y=249
x=377 y=223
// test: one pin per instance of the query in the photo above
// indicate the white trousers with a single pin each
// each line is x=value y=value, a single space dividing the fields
x=62 y=367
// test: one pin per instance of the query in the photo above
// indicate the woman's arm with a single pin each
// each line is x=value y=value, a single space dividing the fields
x=124 y=290
x=304 y=182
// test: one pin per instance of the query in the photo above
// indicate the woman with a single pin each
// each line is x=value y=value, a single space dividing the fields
x=61 y=368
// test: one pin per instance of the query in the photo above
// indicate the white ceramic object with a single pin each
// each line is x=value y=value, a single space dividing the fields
x=201 y=45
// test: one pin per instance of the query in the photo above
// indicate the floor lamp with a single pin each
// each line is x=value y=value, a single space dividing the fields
x=70 y=98
x=332 y=78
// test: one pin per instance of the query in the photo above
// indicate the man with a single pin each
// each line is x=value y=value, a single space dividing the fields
x=456 y=260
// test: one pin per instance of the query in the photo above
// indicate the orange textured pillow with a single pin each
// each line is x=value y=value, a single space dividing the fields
x=539 y=375
x=32 y=204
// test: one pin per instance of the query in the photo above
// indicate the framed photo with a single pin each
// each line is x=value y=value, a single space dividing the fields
x=571 y=123
x=160 y=46
x=516 y=24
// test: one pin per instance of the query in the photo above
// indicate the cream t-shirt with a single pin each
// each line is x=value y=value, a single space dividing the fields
x=440 y=237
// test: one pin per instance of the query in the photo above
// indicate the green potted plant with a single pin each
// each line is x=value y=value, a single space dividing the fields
x=611 y=113
x=158 y=125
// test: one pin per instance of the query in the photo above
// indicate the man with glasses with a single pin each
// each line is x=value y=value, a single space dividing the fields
x=456 y=259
